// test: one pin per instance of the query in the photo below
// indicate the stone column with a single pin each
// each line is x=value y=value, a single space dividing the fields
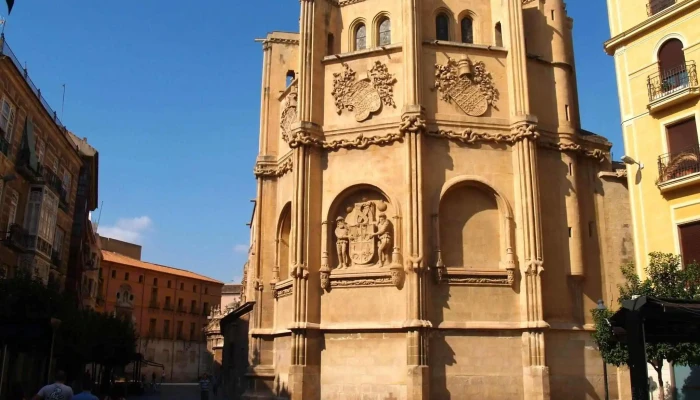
x=573 y=217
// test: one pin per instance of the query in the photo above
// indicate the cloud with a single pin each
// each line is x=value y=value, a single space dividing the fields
x=127 y=229
x=241 y=248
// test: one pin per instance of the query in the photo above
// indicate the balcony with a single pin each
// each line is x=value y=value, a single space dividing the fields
x=168 y=307
x=18 y=238
x=154 y=305
x=4 y=144
x=656 y=6
x=679 y=169
x=672 y=86
x=181 y=310
x=56 y=185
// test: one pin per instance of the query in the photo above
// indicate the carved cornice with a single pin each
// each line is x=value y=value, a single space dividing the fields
x=275 y=171
x=618 y=173
x=343 y=3
x=496 y=278
x=468 y=136
x=576 y=148
x=359 y=142
x=275 y=40
x=283 y=292
x=341 y=281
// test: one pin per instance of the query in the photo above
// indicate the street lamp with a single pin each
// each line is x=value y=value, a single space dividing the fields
x=601 y=307
x=630 y=161
x=55 y=323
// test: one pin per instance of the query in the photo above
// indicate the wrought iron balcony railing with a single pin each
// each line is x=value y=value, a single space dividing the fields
x=663 y=83
x=154 y=304
x=18 y=238
x=656 y=6
x=168 y=307
x=676 y=165
x=4 y=144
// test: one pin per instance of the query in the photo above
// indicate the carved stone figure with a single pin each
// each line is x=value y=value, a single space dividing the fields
x=467 y=85
x=383 y=235
x=365 y=96
x=362 y=243
x=342 y=235
x=289 y=111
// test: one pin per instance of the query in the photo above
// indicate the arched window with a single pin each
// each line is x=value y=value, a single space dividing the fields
x=499 y=35
x=360 y=37
x=290 y=77
x=385 y=32
x=330 y=45
x=467 y=30
x=672 y=68
x=442 y=27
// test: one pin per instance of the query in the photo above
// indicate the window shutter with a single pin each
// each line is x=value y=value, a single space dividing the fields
x=10 y=125
x=690 y=242
x=671 y=55
x=682 y=136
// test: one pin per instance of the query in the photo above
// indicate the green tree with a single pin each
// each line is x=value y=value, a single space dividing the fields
x=665 y=278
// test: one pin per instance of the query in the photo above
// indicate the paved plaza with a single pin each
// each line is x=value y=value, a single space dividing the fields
x=175 y=392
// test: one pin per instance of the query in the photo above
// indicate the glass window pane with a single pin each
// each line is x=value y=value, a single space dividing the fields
x=442 y=24
x=467 y=31
x=385 y=32
x=361 y=38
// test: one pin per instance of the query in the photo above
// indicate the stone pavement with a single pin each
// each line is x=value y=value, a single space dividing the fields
x=175 y=392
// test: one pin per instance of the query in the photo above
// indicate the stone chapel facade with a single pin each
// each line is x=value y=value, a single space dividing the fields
x=431 y=221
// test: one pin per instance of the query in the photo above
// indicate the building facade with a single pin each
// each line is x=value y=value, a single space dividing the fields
x=39 y=167
x=431 y=221
x=168 y=306
x=231 y=295
x=655 y=47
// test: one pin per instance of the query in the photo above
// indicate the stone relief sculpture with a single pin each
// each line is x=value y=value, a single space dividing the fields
x=366 y=96
x=466 y=84
x=342 y=239
x=383 y=235
x=289 y=111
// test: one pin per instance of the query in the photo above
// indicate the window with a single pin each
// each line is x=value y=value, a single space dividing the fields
x=467 y=30
x=330 y=45
x=155 y=281
x=114 y=273
x=154 y=294
x=385 y=32
x=7 y=119
x=193 y=306
x=40 y=217
x=152 y=326
x=140 y=278
x=66 y=181
x=169 y=284
x=126 y=276
x=672 y=66
x=58 y=241
x=166 y=328
x=682 y=137
x=182 y=286
x=179 y=329
x=192 y=331
x=289 y=77
x=206 y=308
x=689 y=238
x=54 y=165
x=180 y=305
x=194 y=288
x=499 y=35
x=360 y=37
x=167 y=301
x=442 y=27
x=206 y=290
x=12 y=214
x=40 y=150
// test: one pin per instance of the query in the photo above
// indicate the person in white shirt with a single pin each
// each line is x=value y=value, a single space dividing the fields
x=55 y=391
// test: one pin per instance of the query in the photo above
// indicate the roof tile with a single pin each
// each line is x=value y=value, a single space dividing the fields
x=132 y=262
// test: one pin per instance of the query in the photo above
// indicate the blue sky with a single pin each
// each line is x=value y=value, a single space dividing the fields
x=169 y=93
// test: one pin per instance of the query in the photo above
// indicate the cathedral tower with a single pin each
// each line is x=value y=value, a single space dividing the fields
x=425 y=200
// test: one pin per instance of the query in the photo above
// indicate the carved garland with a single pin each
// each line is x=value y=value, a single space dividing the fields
x=466 y=279
x=468 y=136
x=595 y=153
x=274 y=172
x=359 y=142
x=364 y=97
x=352 y=282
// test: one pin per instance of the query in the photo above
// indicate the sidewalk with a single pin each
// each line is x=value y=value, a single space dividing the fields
x=176 y=391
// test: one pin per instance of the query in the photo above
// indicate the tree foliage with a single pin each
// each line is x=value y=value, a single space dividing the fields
x=83 y=336
x=665 y=278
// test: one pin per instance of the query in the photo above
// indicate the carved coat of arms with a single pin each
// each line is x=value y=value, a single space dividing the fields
x=365 y=96
x=467 y=85
x=364 y=237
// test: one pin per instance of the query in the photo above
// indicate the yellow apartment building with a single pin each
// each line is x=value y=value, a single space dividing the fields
x=656 y=46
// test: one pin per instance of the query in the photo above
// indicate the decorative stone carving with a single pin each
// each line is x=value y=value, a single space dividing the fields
x=360 y=142
x=365 y=96
x=274 y=172
x=466 y=84
x=478 y=278
x=574 y=147
x=289 y=111
x=352 y=282
x=468 y=136
x=364 y=237
x=325 y=279
x=283 y=292
x=412 y=124
x=398 y=276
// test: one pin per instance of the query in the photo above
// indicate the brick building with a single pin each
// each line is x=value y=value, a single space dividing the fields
x=168 y=306
x=39 y=165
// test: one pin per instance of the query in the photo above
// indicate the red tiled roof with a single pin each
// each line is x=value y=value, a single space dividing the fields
x=132 y=262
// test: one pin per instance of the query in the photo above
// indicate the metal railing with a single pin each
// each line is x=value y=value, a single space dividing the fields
x=18 y=237
x=663 y=83
x=656 y=6
x=7 y=51
x=154 y=304
x=676 y=165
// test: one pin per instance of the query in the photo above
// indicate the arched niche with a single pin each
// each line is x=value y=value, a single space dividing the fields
x=361 y=230
x=473 y=227
x=125 y=296
x=282 y=251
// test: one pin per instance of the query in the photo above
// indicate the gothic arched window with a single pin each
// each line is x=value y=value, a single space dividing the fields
x=499 y=34
x=360 y=37
x=385 y=32
x=442 y=27
x=467 y=27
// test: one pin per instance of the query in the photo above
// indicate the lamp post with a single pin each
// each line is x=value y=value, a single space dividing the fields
x=601 y=307
x=55 y=323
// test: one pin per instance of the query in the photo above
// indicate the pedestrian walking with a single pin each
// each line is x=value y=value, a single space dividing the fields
x=86 y=394
x=204 y=384
x=55 y=391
